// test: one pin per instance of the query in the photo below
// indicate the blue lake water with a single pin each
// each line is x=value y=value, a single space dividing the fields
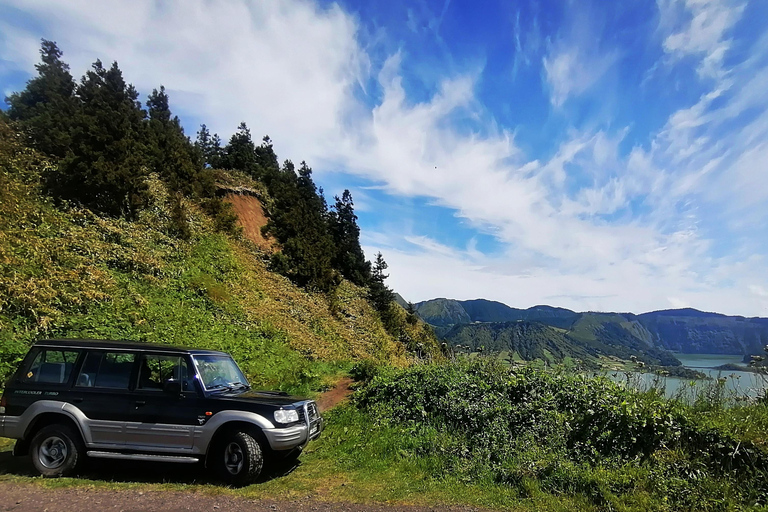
x=737 y=383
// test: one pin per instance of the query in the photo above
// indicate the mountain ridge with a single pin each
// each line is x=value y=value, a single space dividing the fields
x=685 y=330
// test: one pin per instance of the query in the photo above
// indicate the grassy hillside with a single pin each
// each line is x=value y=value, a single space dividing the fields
x=526 y=340
x=66 y=272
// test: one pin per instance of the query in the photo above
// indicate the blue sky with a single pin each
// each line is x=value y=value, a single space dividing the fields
x=586 y=154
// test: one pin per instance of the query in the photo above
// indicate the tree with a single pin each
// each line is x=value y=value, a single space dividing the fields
x=171 y=154
x=105 y=167
x=298 y=221
x=46 y=107
x=266 y=159
x=380 y=294
x=349 y=258
x=240 y=153
x=210 y=147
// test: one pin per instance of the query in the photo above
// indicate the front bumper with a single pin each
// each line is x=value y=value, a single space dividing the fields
x=294 y=437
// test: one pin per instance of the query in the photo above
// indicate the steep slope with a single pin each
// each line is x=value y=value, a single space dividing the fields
x=449 y=312
x=443 y=312
x=481 y=310
x=694 y=331
x=70 y=273
x=526 y=340
x=250 y=213
x=679 y=330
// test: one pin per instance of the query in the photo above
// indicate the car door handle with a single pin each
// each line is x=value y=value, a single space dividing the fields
x=139 y=403
x=77 y=400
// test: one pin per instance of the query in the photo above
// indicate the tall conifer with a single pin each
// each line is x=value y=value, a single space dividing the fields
x=45 y=108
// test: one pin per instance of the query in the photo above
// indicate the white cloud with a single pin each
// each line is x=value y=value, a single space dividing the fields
x=699 y=27
x=576 y=61
x=287 y=68
x=293 y=69
x=570 y=72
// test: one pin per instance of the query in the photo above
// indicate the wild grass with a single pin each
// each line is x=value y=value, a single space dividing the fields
x=66 y=272
x=565 y=434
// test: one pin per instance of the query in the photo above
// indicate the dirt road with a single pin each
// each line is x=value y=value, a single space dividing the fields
x=32 y=498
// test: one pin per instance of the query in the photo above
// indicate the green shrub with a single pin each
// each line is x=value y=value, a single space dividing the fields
x=572 y=433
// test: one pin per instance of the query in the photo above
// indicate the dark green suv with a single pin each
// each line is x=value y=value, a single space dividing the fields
x=72 y=399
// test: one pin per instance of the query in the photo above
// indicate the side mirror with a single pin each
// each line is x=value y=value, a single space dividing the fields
x=172 y=387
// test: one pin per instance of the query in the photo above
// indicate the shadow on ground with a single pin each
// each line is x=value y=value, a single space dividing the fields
x=106 y=470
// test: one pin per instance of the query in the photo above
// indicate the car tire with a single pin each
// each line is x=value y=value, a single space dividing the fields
x=239 y=459
x=56 y=451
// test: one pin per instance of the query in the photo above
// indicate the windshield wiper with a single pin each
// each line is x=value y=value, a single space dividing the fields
x=229 y=387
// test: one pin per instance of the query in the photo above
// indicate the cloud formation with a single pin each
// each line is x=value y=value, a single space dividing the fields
x=595 y=221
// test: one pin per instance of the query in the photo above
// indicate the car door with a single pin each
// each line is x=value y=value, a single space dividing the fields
x=161 y=421
x=101 y=392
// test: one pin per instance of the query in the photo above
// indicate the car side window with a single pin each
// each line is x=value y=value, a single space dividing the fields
x=51 y=366
x=156 y=369
x=106 y=370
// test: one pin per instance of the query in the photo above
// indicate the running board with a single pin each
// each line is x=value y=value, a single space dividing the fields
x=143 y=456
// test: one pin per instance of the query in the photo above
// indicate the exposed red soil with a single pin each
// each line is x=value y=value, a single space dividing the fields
x=250 y=214
x=331 y=398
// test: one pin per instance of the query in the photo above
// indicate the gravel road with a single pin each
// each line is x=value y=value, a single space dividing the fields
x=31 y=498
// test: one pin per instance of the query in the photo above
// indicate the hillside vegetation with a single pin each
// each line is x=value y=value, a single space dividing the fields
x=592 y=443
x=112 y=225
x=66 y=272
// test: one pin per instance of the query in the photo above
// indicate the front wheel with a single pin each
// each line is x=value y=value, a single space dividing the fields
x=239 y=459
x=56 y=450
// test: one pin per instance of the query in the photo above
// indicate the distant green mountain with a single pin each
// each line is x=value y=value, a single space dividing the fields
x=443 y=312
x=590 y=339
x=652 y=334
x=448 y=312
x=692 y=331
x=524 y=340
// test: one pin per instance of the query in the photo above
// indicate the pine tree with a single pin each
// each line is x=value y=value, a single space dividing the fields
x=210 y=147
x=170 y=152
x=266 y=159
x=297 y=220
x=381 y=296
x=349 y=258
x=240 y=153
x=45 y=108
x=105 y=167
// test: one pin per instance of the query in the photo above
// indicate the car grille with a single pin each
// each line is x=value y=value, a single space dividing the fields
x=302 y=415
x=312 y=411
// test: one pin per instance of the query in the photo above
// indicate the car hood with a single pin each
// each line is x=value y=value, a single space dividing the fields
x=260 y=397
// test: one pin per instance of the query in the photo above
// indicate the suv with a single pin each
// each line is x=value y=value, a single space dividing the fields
x=121 y=400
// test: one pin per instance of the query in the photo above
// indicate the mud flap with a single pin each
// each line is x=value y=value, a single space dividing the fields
x=21 y=448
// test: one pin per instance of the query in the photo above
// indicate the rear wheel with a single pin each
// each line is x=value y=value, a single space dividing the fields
x=56 y=450
x=240 y=459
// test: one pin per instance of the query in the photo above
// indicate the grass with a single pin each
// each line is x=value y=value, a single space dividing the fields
x=65 y=272
x=354 y=461
x=383 y=449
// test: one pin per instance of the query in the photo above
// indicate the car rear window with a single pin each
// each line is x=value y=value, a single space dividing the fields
x=106 y=370
x=51 y=366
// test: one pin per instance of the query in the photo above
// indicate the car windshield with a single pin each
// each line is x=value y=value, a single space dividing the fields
x=219 y=372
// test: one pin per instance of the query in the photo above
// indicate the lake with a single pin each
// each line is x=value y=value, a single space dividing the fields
x=737 y=383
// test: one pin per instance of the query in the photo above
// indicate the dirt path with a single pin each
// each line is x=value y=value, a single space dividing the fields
x=333 y=397
x=32 y=498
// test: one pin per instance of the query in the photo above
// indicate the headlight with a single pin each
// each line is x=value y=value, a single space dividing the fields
x=286 y=415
